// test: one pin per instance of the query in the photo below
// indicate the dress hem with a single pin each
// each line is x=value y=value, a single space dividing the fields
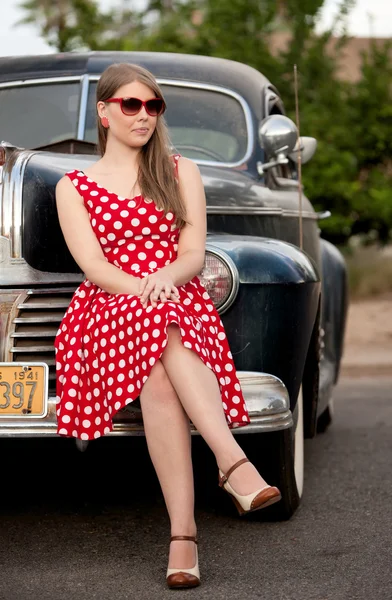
x=110 y=427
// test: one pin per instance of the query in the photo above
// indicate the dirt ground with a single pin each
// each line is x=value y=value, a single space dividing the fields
x=368 y=341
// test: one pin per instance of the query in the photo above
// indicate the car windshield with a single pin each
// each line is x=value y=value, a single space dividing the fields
x=203 y=124
x=36 y=115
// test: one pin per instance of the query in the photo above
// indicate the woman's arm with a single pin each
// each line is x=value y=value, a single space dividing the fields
x=84 y=246
x=192 y=241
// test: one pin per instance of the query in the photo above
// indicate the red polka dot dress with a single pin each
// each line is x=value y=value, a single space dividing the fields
x=107 y=344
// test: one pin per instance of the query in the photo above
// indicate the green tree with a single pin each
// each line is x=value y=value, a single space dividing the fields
x=69 y=24
x=371 y=132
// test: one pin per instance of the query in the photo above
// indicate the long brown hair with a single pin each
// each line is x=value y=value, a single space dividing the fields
x=156 y=175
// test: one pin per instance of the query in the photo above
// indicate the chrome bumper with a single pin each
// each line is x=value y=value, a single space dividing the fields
x=265 y=395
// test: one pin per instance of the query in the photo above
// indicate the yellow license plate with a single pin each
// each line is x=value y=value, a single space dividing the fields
x=23 y=390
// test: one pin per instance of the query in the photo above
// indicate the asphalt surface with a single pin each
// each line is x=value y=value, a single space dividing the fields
x=78 y=526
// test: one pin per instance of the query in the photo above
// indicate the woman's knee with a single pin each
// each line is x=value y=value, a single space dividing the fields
x=158 y=382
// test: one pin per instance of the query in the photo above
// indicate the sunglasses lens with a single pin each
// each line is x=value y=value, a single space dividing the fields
x=154 y=107
x=131 y=106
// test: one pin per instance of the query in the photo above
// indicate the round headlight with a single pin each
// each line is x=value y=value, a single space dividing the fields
x=220 y=278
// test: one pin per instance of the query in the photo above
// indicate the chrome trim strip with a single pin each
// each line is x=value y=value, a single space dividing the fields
x=13 y=430
x=12 y=224
x=5 y=215
x=42 y=306
x=45 y=80
x=235 y=277
x=16 y=232
x=48 y=428
x=59 y=290
x=36 y=319
x=30 y=349
x=243 y=210
x=84 y=88
x=254 y=210
x=50 y=333
x=222 y=90
x=295 y=213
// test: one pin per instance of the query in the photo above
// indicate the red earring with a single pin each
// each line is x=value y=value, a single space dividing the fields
x=105 y=122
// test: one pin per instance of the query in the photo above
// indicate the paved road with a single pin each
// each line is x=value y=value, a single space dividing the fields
x=78 y=526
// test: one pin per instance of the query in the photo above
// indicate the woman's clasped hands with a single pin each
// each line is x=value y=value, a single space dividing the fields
x=157 y=287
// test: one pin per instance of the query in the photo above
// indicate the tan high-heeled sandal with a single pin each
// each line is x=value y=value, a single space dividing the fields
x=245 y=504
x=184 y=578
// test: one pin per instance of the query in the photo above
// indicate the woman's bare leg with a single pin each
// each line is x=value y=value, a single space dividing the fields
x=198 y=391
x=167 y=430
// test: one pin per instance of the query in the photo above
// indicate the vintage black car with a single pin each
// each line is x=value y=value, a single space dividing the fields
x=279 y=287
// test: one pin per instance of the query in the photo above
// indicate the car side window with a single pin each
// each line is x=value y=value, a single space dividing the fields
x=38 y=114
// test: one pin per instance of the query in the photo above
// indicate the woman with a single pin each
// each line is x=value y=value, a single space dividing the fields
x=142 y=324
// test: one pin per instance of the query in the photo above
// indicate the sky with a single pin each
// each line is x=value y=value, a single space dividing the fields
x=368 y=18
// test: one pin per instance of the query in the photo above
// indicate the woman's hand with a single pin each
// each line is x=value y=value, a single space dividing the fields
x=158 y=287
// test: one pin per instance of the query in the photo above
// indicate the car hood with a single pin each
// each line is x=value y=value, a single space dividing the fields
x=227 y=191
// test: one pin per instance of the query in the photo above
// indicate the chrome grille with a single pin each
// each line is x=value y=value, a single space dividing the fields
x=37 y=318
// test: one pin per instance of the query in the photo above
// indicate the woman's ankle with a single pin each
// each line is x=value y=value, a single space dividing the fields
x=182 y=528
x=226 y=461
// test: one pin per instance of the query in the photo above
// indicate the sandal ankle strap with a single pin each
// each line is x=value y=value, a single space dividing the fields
x=190 y=538
x=224 y=478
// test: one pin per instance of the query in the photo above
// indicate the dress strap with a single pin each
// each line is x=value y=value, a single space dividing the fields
x=78 y=179
x=75 y=175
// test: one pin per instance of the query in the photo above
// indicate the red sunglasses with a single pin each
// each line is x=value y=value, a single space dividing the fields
x=131 y=106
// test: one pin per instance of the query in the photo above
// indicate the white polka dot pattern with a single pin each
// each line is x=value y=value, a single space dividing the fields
x=107 y=344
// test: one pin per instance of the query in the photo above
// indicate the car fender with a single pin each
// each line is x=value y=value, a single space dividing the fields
x=271 y=319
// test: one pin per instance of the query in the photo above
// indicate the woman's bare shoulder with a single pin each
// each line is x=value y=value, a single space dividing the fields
x=65 y=182
x=188 y=169
x=65 y=187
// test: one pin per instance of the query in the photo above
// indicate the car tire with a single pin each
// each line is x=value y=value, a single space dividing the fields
x=325 y=419
x=280 y=460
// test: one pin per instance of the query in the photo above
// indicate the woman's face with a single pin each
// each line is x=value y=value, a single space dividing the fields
x=133 y=130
